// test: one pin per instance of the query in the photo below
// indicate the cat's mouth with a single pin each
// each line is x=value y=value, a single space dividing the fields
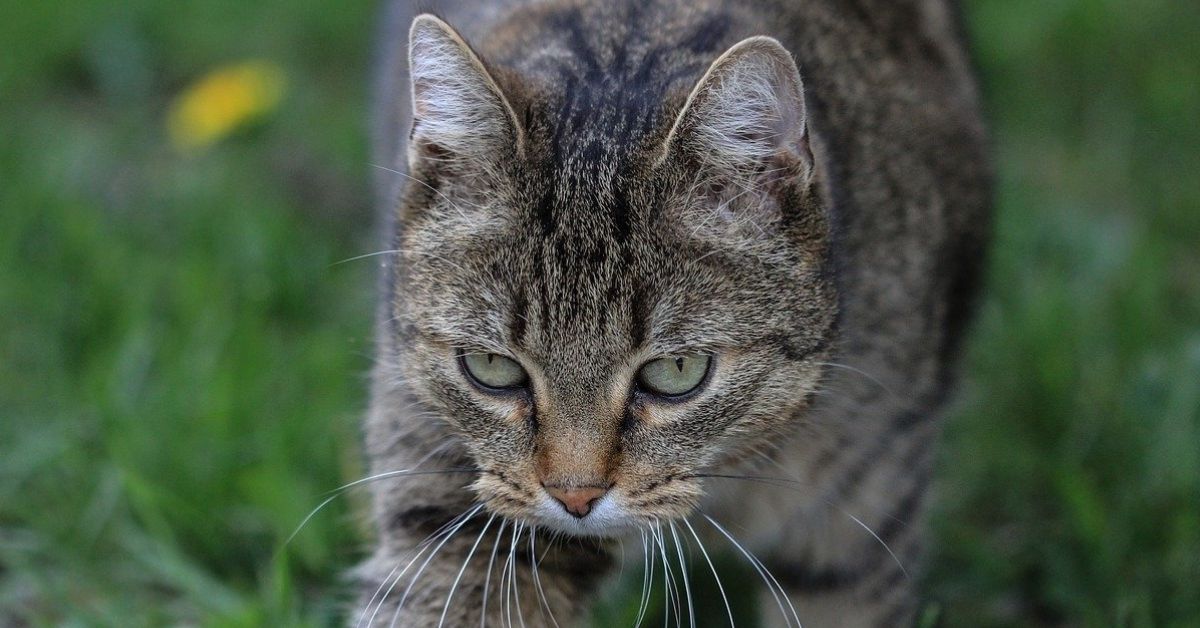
x=618 y=511
x=606 y=518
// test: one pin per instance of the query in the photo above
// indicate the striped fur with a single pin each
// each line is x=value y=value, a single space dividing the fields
x=797 y=188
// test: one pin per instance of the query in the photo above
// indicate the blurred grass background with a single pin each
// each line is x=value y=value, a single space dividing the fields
x=182 y=363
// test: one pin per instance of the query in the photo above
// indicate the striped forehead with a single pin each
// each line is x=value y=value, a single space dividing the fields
x=600 y=105
x=584 y=295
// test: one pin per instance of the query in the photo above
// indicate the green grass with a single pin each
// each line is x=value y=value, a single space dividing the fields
x=182 y=365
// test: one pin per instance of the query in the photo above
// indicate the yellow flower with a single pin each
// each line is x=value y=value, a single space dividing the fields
x=222 y=101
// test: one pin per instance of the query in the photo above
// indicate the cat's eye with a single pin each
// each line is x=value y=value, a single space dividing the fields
x=674 y=376
x=493 y=371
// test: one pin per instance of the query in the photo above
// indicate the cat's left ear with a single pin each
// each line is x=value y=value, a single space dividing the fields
x=746 y=116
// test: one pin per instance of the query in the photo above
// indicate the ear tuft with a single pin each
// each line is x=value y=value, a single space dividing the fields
x=458 y=108
x=746 y=112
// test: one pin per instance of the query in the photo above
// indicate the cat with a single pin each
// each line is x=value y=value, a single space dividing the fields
x=660 y=269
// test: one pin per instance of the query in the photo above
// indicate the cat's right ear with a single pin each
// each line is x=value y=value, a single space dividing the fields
x=459 y=111
x=746 y=116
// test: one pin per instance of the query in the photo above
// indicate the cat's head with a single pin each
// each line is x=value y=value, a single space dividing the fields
x=605 y=308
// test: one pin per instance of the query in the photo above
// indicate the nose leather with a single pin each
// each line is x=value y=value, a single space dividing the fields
x=577 y=500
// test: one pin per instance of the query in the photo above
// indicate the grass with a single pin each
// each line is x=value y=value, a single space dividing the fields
x=182 y=362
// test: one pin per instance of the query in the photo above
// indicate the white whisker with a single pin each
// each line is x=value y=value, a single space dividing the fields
x=646 y=583
x=365 y=256
x=537 y=580
x=707 y=559
x=870 y=377
x=683 y=567
x=422 y=547
x=450 y=595
x=512 y=556
x=881 y=542
x=460 y=211
x=764 y=573
x=505 y=582
x=621 y=565
x=337 y=492
x=652 y=560
x=406 y=252
x=671 y=592
x=487 y=579
x=417 y=576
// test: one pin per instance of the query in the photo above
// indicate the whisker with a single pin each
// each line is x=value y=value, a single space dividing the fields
x=763 y=573
x=422 y=547
x=407 y=252
x=621 y=564
x=683 y=567
x=702 y=257
x=797 y=485
x=537 y=580
x=450 y=595
x=666 y=581
x=441 y=447
x=417 y=576
x=790 y=484
x=652 y=560
x=430 y=188
x=646 y=582
x=512 y=556
x=337 y=492
x=881 y=542
x=487 y=579
x=365 y=256
x=506 y=585
x=671 y=591
x=868 y=376
x=783 y=482
x=505 y=582
x=440 y=259
x=707 y=559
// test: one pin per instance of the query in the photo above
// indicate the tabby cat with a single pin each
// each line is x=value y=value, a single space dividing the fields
x=688 y=275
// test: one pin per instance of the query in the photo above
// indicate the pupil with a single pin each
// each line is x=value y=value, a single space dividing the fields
x=679 y=364
x=490 y=357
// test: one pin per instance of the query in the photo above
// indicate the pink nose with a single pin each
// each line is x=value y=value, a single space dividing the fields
x=577 y=500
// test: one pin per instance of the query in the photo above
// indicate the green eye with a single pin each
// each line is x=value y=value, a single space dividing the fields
x=672 y=377
x=492 y=370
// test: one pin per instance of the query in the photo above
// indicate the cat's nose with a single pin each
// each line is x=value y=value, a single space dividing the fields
x=577 y=500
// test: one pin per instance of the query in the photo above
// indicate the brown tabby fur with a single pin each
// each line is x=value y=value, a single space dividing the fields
x=586 y=212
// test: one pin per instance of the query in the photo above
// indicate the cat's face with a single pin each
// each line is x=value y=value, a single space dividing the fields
x=601 y=322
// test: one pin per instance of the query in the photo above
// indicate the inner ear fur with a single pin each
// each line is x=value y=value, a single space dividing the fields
x=458 y=108
x=746 y=117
